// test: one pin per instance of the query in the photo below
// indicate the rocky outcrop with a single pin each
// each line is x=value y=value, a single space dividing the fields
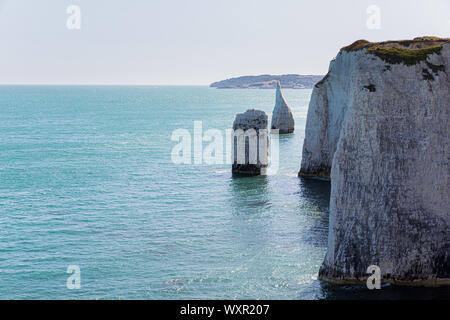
x=282 y=118
x=378 y=126
x=250 y=143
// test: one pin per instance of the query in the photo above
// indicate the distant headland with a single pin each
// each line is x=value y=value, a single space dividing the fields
x=267 y=81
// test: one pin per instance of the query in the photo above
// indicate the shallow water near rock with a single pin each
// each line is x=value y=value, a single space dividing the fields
x=86 y=179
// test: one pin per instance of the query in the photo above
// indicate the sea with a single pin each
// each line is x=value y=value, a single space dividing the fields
x=93 y=205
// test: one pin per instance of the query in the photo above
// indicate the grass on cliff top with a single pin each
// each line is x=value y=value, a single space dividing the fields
x=409 y=52
x=409 y=57
x=357 y=45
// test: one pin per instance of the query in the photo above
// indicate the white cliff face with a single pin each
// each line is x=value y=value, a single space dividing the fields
x=250 y=143
x=383 y=129
x=329 y=102
x=282 y=118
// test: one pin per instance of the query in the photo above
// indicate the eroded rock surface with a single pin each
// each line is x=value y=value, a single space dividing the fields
x=379 y=123
x=282 y=118
x=250 y=143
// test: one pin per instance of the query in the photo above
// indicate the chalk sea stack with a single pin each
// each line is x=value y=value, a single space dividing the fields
x=378 y=127
x=282 y=118
x=250 y=143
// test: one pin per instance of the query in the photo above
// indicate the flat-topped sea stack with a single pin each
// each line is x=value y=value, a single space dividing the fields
x=250 y=143
x=378 y=127
x=282 y=118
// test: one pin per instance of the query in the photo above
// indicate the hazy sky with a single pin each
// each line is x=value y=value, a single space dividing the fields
x=194 y=41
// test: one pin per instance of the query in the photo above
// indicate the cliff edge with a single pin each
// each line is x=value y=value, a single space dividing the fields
x=378 y=127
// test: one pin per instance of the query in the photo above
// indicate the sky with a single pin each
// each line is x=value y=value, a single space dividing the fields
x=195 y=42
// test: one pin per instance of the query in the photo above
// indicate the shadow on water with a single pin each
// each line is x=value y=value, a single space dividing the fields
x=250 y=206
x=316 y=192
x=250 y=193
x=387 y=292
x=315 y=196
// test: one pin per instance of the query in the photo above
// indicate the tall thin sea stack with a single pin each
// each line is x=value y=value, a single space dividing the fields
x=250 y=143
x=378 y=127
x=282 y=118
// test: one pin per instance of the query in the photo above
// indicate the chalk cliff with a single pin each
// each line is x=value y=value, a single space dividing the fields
x=282 y=118
x=379 y=126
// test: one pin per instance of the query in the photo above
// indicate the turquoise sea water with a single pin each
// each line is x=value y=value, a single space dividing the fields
x=86 y=179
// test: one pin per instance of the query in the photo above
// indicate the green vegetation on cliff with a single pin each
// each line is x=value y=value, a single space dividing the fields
x=409 y=57
x=408 y=52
